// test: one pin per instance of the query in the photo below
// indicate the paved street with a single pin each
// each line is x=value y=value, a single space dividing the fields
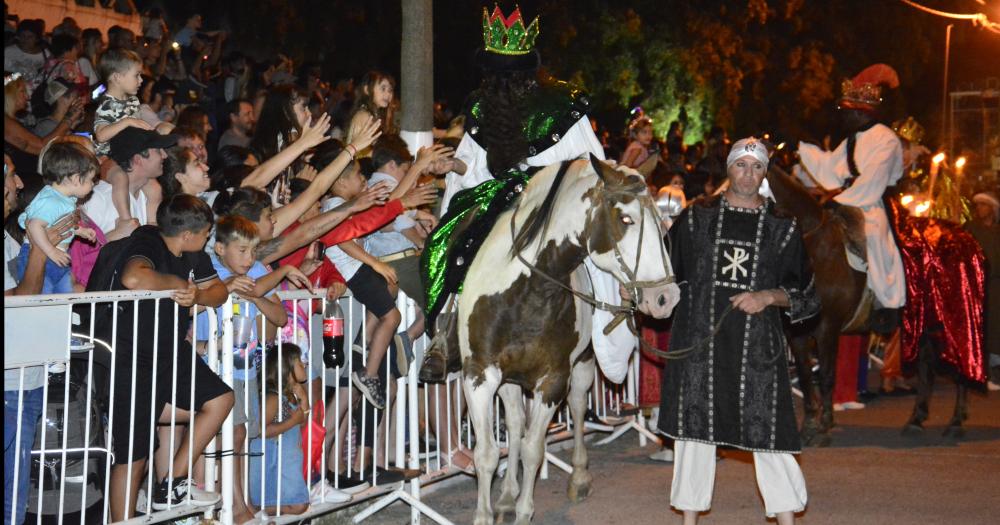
x=871 y=475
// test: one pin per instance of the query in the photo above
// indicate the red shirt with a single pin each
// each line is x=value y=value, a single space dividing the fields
x=357 y=225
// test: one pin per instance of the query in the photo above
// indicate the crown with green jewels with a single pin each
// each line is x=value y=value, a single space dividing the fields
x=508 y=35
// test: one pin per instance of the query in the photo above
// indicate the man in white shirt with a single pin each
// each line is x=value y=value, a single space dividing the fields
x=139 y=153
x=860 y=169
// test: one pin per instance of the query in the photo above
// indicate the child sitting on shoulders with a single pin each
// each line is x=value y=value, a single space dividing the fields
x=117 y=109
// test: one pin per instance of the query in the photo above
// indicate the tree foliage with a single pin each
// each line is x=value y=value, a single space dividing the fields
x=750 y=65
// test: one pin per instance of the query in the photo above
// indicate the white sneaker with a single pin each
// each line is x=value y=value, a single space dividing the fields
x=324 y=493
x=654 y=419
x=992 y=387
x=184 y=492
x=849 y=405
x=664 y=454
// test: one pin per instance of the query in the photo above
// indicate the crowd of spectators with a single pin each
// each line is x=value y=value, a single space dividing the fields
x=170 y=161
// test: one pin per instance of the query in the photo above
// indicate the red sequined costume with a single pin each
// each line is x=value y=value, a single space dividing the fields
x=945 y=287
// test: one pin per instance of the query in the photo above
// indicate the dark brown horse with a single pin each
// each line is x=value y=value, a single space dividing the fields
x=841 y=290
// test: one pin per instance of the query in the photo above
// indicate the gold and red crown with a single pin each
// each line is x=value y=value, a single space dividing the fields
x=508 y=35
x=865 y=89
x=868 y=94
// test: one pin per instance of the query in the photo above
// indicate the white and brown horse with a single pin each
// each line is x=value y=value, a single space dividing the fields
x=521 y=327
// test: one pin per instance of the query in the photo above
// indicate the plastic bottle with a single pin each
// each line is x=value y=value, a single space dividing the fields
x=333 y=335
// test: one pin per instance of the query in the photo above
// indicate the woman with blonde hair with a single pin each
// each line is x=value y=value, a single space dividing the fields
x=23 y=145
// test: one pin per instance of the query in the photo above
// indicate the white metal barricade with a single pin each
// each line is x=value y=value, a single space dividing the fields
x=426 y=427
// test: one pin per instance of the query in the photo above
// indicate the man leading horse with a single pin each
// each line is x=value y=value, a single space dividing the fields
x=741 y=263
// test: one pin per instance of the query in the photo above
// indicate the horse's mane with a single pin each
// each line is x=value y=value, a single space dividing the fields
x=795 y=194
x=536 y=221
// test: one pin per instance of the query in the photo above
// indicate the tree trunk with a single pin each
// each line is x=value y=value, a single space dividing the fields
x=417 y=72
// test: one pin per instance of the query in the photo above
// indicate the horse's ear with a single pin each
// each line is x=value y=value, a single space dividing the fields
x=646 y=168
x=777 y=170
x=598 y=167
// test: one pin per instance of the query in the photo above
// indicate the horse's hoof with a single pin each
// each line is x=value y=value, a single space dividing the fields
x=505 y=508
x=482 y=520
x=954 y=431
x=913 y=429
x=578 y=490
x=523 y=520
x=817 y=439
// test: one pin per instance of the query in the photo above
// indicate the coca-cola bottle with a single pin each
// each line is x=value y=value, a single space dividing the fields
x=333 y=335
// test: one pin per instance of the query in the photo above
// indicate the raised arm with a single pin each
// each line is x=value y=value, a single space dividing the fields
x=425 y=158
x=313 y=134
x=286 y=215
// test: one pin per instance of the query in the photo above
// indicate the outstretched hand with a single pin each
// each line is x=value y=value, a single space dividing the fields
x=373 y=196
x=368 y=131
x=419 y=196
x=298 y=278
x=433 y=156
x=314 y=133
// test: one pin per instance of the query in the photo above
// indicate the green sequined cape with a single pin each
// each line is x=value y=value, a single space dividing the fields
x=553 y=109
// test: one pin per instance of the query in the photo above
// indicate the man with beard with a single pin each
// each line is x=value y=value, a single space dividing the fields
x=241 y=122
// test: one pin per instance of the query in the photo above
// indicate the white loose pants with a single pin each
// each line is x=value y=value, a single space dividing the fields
x=779 y=479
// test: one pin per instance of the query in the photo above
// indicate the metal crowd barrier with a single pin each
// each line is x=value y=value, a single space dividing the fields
x=426 y=426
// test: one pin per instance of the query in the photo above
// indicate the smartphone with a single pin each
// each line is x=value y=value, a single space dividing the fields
x=84 y=134
x=98 y=91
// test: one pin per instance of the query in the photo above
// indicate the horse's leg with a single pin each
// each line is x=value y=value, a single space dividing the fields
x=802 y=349
x=581 y=379
x=827 y=345
x=532 y=455
x=954 y=428
x=513 y=403
x=480 y=401
x=925 y=386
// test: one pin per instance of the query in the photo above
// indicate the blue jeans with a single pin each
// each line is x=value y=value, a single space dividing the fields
x=57 y=278
x=31 y=411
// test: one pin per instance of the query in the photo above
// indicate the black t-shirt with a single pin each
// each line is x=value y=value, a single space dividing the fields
x=147 y=243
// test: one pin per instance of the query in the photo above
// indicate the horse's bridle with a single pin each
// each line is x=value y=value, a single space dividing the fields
x=625 y=311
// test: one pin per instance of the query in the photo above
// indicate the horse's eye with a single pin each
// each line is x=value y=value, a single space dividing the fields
x=627 y=220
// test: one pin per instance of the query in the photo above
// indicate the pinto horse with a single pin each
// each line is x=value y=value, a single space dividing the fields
x=841 y=290
x=524 y=316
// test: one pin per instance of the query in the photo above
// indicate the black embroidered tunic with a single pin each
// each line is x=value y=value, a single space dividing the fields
x=734 y=391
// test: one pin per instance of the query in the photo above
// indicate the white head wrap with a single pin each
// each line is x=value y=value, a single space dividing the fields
x=748 y=146
x=989 y=200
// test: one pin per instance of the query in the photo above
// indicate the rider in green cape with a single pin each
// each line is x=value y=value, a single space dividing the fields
x=515 y=123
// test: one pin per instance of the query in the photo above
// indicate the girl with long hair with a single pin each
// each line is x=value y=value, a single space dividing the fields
x=373 y=98
x=282 y=118
x=286 y=408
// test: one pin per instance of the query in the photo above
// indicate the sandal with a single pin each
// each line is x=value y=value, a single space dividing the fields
x=469 y=468
x=404 y=353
